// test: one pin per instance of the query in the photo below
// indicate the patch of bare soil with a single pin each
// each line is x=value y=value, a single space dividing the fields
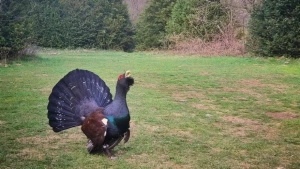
x=242 y=127
x=282 y=115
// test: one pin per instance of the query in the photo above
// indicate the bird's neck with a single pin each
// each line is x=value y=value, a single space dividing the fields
x=120 y=94
x=118 y=107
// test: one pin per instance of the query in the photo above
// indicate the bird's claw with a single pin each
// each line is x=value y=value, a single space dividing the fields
x=108 y=153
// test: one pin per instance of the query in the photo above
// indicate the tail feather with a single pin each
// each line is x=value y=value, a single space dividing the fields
x=74 y=97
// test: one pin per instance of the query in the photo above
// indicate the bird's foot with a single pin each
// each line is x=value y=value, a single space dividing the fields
x=108 y=153
x=113 y=158
x=90 y=146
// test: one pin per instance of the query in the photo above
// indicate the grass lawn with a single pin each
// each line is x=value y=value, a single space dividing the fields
x=187 y=112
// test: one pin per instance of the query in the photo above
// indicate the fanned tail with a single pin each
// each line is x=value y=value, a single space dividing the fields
x=74 y=97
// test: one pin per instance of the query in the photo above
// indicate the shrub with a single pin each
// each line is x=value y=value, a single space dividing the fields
x=202 y=19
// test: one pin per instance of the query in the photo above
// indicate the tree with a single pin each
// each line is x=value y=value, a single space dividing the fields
x=275 y=28
x=151 y=28
x=117 y=31
x=180 y=17
x=14 y=28
x=102 y=24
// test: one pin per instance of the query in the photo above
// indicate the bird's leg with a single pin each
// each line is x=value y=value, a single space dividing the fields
x=113 y=143
x=108 y=153
x=126 y=136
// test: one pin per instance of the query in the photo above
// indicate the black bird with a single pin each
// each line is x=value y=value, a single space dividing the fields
x=82 y=98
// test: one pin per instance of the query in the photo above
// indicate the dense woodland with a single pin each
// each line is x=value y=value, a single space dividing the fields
x=262 y=27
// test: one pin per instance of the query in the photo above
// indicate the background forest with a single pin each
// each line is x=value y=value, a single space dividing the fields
x=205 y=27
x=187 y=110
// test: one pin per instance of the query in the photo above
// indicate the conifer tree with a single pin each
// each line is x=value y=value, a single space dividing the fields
x=151 y=28
x=275 y=28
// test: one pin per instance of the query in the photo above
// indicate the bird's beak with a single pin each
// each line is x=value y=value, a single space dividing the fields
x=127 y=73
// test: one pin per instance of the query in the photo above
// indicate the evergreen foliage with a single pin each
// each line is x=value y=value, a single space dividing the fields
x=198 y=18
x=275 y=28
x=151 y=28
x=180 y=17
x=191 y=18
x=14 y=30
x=103 y=24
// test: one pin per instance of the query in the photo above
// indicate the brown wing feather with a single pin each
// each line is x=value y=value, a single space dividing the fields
x=94 y=128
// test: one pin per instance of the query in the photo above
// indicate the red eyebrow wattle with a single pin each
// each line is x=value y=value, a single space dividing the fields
x=120 y=77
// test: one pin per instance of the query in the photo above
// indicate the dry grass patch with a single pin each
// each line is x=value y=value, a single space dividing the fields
x=201 y=106
x=238 y=120
x=148 y=85
x=2 y=122
x=220 y=46
x=46 y=90
x=182 y=96
x=244 y=90
x=38 y=147
x=254 y=88
x=162 y=161
x=204 y=107
x=181 y=133
x=239 y=165
x=42 y=75
x=204 y=74
x=150 y=128
x=243 y=127
x=31 y=153
x=258 y=83
x=251 y=83
x=52 y=140
x=282 y=115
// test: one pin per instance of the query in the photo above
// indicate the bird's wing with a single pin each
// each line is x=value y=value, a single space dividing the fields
x=94 y=127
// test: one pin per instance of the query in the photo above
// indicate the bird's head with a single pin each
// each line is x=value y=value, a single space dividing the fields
x=125 y=80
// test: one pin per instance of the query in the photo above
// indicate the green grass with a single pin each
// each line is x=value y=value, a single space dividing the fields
x=187 y=112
